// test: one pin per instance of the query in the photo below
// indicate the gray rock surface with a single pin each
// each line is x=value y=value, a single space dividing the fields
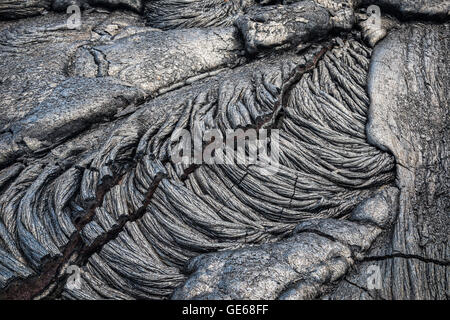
x=172 y=14
x=13 y=9
x=139 y=59
x=304 y=266
x=87 y=126
x=411 y=120
x=290 y=25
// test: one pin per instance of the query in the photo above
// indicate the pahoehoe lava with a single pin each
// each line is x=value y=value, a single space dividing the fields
x=87 y=121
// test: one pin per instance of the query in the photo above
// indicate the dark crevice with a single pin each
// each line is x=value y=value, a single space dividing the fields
x=321 y=234
x=112 y=234
x=84 y=252
x=28 y=288
x=406 y=256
